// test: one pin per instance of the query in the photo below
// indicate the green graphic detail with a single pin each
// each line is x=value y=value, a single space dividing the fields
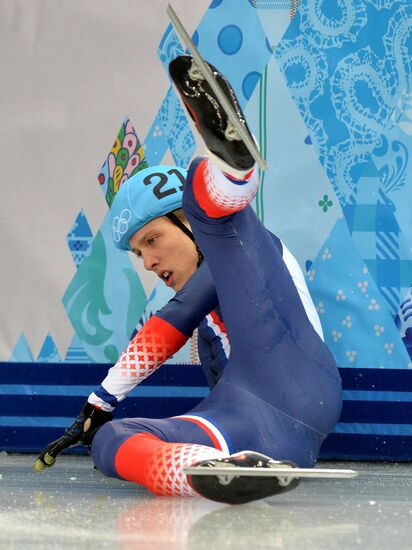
x=325 y=203
x=122 y=157
x=262 y=142
x=122 y=133
x=111 y=353
x=137 y=302
x=84 y=298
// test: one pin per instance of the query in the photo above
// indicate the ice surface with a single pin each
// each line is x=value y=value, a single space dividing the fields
x=74 y=506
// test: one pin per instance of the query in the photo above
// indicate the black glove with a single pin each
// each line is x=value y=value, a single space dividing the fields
x=82 y=430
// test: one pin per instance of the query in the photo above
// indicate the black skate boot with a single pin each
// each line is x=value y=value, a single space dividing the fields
x=223 y=142
x=236 y=488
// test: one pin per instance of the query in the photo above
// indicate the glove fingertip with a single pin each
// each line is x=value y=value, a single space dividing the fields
x=49 y=459
x=39 y=465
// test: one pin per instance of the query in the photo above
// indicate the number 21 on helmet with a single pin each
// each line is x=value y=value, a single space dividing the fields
x=149 y=194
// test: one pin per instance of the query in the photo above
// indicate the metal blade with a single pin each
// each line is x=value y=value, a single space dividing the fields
x=235 y=471
x=208 y=75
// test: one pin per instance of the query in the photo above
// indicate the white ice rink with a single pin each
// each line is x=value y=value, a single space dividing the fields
x=74 y=506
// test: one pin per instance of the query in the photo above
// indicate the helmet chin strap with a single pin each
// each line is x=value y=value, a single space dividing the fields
x=174 y=219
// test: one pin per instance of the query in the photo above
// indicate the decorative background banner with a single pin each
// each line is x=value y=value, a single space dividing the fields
x=327 y=90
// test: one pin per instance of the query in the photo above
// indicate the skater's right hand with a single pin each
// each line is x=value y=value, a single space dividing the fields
x=82 y=430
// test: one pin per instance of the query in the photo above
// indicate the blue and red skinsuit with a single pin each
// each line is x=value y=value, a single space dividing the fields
x=280 y=391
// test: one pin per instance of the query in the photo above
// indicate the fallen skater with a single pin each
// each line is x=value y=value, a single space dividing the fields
x=275 y=388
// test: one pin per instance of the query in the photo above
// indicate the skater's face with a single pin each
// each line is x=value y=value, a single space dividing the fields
x=167 y=251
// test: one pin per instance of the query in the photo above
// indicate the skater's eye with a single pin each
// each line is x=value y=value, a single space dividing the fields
x=137 y=253
x=151 y=240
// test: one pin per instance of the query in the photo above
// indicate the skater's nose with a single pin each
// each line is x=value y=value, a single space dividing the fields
x=150 y=261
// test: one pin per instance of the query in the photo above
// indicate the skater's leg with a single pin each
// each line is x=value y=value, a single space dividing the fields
x=225 y=187
x=252 y=250
x=275 y=352
x=154 y=452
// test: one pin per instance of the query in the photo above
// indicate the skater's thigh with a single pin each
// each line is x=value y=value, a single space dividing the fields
x=257 y=296
x=248 y=422
x=112 y=435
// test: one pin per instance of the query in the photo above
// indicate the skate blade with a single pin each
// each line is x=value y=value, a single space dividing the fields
x=240 y=471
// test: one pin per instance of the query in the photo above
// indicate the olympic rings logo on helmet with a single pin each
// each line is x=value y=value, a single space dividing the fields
x=120 y=224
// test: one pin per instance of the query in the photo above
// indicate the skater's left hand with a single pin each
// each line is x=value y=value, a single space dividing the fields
x=82 y=430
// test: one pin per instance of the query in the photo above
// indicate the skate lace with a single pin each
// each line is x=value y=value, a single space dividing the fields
x=195 y=73
x=231 y=134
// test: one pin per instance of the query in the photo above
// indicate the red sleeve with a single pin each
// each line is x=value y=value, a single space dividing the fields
x=155 y=342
